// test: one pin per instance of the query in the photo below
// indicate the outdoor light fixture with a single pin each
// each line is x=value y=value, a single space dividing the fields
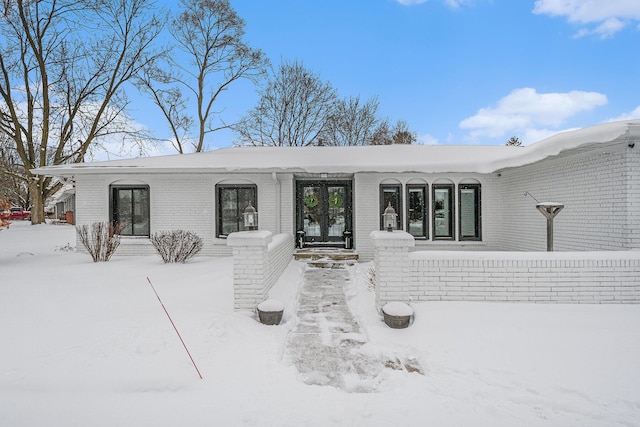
x=389 y=218
x=550 y=210
x=250 y=217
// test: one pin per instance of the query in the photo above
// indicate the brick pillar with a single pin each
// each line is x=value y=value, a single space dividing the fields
x=250 y=252
x=392 y=265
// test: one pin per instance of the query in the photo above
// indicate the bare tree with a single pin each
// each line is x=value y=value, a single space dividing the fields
x=64 y=65
x=384 y=134
x=292 y=109
x=209 y=34
x=13 y=187
x=514 y=141
x=351 y=123
x=402 y=134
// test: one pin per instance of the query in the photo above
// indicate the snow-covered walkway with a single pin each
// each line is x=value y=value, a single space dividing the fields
x=324 y=345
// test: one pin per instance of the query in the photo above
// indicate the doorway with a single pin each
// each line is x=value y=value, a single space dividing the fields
x=324 y=213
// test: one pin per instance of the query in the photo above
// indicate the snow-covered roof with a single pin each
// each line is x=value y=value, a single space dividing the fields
x=390 y=158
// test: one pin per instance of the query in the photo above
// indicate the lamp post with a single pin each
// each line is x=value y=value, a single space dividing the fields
x=389 y=218
x=550 y=210
x=250 y=218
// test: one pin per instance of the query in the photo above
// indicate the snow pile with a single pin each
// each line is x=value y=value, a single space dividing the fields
x=89 y=344
x=397 y=309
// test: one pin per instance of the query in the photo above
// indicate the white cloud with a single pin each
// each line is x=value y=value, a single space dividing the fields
x=608 y=16
x=524 y=111
x=426 y=139
x=410 y=2
x=634 y=114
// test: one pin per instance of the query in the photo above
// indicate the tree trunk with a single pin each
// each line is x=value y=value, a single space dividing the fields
x=37 y=200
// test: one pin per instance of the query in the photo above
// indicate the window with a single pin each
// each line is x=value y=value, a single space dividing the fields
x=469 y=211
x=130 y=209
x=231 y=202
x=391 y=193
x=417 y=211
x=443 y=212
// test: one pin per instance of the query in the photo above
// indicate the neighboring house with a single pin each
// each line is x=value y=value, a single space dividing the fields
x=447 y=197
x=62 y=204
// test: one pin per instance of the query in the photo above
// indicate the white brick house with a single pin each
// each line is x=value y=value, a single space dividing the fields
x=447 y=197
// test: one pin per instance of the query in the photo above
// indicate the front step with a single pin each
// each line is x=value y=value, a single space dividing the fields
x=326 y=257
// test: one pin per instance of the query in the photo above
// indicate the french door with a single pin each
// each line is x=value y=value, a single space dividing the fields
x=324 y=212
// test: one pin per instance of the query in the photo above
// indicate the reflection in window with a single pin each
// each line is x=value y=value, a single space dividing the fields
x=417 y=217
x=391 y=194
x=232 y=201
x=469 y=211
x=443 y=211
x=130 y=209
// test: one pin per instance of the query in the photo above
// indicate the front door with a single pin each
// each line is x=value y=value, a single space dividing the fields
x=324 y=213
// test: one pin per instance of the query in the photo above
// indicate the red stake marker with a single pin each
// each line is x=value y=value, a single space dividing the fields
x=174 y=328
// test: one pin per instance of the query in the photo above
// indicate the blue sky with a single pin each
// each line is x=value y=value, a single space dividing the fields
x=458 y=71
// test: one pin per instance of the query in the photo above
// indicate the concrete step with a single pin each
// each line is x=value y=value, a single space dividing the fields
x=326 y=257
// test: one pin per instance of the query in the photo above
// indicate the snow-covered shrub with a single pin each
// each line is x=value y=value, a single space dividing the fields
x=101 y=239
x=176 y=245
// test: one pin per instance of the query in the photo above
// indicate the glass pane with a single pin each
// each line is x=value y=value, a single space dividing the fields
x=468 y=219
x=124 y=209
x=228 y=210
x=311 y=211
x=442 y=208
x=416 y=212
x=140 y=212
x=336 y=211
x=391 y=195
x=246 y=197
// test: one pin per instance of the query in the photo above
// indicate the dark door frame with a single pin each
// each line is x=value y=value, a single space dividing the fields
x=324 y=240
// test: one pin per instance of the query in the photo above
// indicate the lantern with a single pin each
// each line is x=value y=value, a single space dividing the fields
x=389 y=218
x=250 y=218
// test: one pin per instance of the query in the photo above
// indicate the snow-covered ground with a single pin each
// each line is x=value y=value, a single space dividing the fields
x=84 y=344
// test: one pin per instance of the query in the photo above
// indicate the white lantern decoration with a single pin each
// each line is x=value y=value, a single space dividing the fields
x=250 y=217
x=389 y=218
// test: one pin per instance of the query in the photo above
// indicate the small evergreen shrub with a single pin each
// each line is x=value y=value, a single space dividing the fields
x=176 y=245
x=101 y=239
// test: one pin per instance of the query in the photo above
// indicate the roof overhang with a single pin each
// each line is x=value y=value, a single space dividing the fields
x=350 y=160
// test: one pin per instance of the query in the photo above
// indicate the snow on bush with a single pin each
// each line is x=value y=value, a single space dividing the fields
x=176 y=245
x=101 y=239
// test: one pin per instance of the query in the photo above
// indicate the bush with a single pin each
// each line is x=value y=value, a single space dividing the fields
x=101 y=239
x=176 y=245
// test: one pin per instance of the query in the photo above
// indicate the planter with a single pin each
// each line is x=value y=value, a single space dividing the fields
x=270 y=312
x=397 y=315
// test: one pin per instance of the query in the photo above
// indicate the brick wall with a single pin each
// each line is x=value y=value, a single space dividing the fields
x=567 y=277
x=259 y=258
x=184 y=201
x=570 y=277
x=595 y=189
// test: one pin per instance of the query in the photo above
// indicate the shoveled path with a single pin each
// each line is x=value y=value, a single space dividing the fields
x=324 y=344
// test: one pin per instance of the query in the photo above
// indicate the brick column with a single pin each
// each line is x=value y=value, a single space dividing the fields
x=250 y=254
x=392 y=265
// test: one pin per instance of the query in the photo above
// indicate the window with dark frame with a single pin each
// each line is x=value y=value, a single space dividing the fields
x=417 y=211
x=443 y=211
x=130 y=209
x=391 y=193
x=232 y=199
x=469 y=212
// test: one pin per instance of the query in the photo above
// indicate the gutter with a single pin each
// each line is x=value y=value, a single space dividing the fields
x=276 y=182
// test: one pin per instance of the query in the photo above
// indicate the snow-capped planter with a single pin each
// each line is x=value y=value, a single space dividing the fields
x=397 y=315
x=270 y=312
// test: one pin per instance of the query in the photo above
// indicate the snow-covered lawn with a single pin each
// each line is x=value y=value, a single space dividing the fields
x=84 y=344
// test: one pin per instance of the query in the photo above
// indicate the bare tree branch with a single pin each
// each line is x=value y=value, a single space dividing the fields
x=64 y=67
x=292 y=110
x=210 y=33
